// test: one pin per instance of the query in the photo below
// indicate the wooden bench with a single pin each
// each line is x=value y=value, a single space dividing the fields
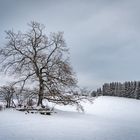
x=34 y=111
x=48 y=112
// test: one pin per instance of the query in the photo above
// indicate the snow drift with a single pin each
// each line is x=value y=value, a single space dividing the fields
x=108 y=118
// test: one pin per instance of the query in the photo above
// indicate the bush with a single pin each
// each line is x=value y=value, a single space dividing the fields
x=31 y=103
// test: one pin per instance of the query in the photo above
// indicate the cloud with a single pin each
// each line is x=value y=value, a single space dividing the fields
x=103 y=36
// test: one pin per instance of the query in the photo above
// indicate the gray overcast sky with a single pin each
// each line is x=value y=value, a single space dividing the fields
x=103 y=35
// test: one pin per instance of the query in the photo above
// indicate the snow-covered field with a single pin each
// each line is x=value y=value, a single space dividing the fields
x=108 y=118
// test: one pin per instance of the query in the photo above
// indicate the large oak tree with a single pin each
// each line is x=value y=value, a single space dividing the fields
x=34 y=56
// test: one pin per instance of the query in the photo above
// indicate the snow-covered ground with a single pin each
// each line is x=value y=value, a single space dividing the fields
x=108 y=118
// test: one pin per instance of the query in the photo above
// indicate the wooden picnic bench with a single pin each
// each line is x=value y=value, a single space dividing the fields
x=45 y=112
x=42 y=111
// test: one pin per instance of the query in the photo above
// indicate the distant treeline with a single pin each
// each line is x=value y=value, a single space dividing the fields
x=129 y=89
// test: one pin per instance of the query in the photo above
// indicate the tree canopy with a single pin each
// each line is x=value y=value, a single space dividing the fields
x=44 y=60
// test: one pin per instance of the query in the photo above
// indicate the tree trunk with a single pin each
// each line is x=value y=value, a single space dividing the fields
x=40 y=98
x=8 y=103
x=41 y=92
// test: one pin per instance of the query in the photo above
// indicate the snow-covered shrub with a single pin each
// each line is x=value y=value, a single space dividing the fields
x=31 y=102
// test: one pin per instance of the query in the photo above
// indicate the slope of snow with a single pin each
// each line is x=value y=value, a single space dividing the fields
x=108 y=118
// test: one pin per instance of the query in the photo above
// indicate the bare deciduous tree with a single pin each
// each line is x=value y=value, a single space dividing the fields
x=6 y=93
x=34 y=56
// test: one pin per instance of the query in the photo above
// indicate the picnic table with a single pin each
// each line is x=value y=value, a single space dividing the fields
x=42 y=111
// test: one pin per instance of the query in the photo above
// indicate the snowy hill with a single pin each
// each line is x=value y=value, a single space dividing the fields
x=108 y=118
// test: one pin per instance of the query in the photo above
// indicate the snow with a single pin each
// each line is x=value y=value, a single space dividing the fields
x=108 y=118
